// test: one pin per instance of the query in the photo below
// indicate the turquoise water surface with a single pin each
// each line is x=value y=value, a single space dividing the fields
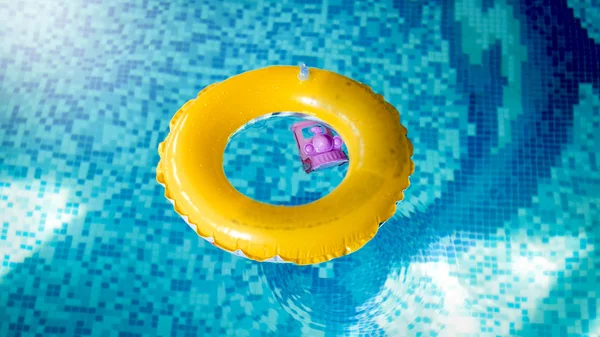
x=498 y=235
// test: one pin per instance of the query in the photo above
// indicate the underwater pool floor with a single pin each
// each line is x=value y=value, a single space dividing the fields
x=498 y=234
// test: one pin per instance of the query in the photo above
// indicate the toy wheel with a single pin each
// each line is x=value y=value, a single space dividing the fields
x=306 y=165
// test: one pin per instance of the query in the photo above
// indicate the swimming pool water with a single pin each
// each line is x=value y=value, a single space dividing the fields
x=498 y=235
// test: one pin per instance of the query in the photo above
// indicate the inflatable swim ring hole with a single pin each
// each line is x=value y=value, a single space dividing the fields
x=263 y=161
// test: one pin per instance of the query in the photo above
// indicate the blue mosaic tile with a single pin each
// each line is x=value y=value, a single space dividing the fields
x=498 y=234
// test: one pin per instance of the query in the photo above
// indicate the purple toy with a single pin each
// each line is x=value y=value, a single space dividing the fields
x=320 y=151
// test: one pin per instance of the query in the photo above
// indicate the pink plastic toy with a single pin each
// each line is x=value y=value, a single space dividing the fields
x=320 y=151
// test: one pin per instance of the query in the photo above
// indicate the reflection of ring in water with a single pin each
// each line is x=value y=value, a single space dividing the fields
x=388 y=279
x=326 y=295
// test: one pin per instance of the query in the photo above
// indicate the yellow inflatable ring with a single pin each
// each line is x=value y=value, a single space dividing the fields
x=191 y=166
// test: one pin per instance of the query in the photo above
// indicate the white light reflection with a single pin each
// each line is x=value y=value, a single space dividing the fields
x=32 y=214
x=309 y=101
x=434 y=296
